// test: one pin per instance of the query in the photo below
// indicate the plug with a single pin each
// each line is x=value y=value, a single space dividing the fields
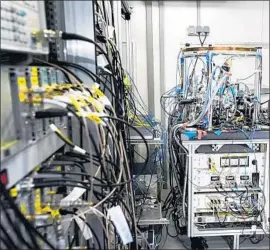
x=50 y=113
x=61 y=190
x=64 y=212
x=255 y=179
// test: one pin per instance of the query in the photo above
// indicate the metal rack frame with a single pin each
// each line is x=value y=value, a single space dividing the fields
x=191 y=146
x=22 y=163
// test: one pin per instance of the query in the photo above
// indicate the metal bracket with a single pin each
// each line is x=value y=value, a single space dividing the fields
x=236 y=244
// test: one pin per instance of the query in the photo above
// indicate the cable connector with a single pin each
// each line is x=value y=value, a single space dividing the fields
x=51 y=112
x=65 y=212
x=45 y=36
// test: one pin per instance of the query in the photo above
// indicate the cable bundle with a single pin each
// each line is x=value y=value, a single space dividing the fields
x=100 y=165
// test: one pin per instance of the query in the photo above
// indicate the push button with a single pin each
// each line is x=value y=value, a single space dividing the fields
x=21 y=13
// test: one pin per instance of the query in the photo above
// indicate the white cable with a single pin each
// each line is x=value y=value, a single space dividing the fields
x=54 y=102
x=186 y=170
x=212 y=96
x=62 y=98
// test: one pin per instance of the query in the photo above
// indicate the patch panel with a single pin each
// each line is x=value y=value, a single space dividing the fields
x=209 y=218
x=210 y=172
x=26 y=100
x=234 y=161
x=24 y=89
x=233 y=202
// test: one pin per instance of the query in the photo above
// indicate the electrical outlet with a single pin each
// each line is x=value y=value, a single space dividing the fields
x=191 y=30
x=199 y=29
x=194 y=30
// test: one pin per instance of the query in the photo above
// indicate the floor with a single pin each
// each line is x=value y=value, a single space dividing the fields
x=213 y=243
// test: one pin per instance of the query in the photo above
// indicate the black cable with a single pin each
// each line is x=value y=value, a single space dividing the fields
x=96 y=150
x=63 y=182
x=9 y=240
x=71 y=243
x=138 y=132
x=5 y=242
x=73 y=146
x=44 y=226
x=71 y=173
x=16 y=231
x=71 y=36
x=145 y=142
x=255 y=241
x=57 y=163
x=199 y=35
x=118 y=83
x=96 y=158
x=92 y=231
x=204 y=39
x=105 y=16
x=262 y=103
x=86 y=175
x=20 y=216
x=64 y=212
x=89 y=73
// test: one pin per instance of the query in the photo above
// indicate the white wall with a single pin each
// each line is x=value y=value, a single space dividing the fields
x=239 y=22
x=235 y=21
x=178 y=15
x=156 y=59
x=138 y=38
x=229 y=22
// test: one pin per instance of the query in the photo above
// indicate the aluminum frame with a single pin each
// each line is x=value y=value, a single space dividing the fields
x=201 y=52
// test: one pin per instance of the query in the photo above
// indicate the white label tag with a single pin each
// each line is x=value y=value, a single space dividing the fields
x=101 y=61
x=118 y=218
x=104 y=99
x=82 y=225
x=111 y=31
x=74 y=195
